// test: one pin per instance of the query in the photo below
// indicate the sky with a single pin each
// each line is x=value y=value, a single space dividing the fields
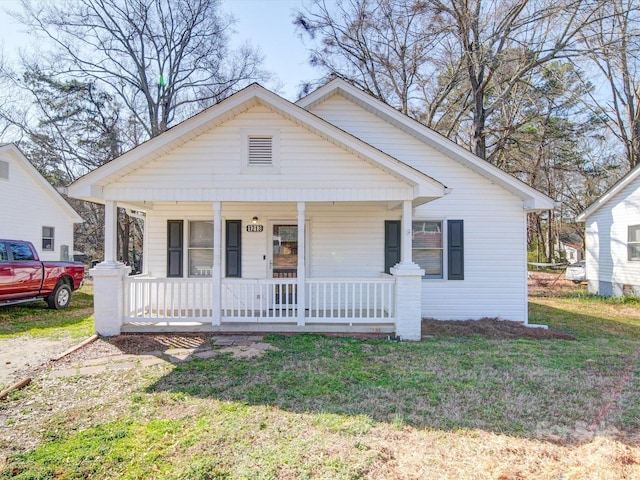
x=266 y=24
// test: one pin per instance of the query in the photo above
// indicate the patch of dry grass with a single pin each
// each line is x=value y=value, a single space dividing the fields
x=452 y=407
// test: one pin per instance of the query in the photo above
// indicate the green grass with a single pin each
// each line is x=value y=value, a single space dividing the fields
x=320 y=407
x=36 y=319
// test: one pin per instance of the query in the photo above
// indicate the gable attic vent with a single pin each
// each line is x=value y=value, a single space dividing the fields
x=260 y=150
x=4 y=170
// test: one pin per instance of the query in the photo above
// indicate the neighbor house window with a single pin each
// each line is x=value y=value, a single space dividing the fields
x=260 y=151
x=47 y=239
x=4 y=170
x=634 y=242
x=427 y=247
x=200 y=256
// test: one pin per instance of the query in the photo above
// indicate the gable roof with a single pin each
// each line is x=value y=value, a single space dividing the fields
x=532 y=198
x=609 y=194
x=14 y=152
x=89 y=187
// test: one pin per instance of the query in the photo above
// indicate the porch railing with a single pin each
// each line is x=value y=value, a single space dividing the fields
x=359 y=300
x=255 y=300
x=347 y=301
x=168 y=299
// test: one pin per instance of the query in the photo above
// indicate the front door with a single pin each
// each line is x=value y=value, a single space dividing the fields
x=284 y=263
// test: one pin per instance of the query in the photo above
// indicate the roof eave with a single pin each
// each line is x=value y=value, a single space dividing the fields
x=532 y=198
x=13 y=150
x=632 y=175
x=87 y=187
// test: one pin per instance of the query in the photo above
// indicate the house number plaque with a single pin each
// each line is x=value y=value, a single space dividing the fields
x=255 y=228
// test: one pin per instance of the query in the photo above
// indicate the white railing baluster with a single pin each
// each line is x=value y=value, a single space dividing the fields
x=346 y=301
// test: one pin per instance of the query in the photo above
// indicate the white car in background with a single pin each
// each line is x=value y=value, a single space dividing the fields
x=576 y=272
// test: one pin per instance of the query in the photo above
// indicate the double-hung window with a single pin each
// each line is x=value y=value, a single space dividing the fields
x=428 y=247
x=431 y=248
x=199 y=248
x=48 y=239
x=633 y=243
x=200 y=257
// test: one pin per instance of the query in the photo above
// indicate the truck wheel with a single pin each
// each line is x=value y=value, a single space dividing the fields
x=61 y=297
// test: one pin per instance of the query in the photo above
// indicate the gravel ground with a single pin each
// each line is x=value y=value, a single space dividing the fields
x=24 y=356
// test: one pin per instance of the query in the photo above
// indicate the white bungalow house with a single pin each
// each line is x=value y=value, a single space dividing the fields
x=32 y=209
x=334 y=213
x=612 y=238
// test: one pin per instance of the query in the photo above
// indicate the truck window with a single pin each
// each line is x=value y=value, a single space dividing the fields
x=3 y=252
x=20 y=252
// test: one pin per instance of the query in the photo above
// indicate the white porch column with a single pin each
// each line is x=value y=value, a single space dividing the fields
x=110 y=232
x=144 y=268
x=408 y=287
x=407 y=233
x=216 y=275
x=108 y=279
x=301 y=264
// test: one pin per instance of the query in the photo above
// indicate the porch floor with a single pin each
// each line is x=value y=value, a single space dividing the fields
x=256 y=327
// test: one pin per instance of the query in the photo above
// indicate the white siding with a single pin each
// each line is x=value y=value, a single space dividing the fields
x=344 y=240
x=494 y=222
x=26 y=208
x=209 y=167
x=608 y=266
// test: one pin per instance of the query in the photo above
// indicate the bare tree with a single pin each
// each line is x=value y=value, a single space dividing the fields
x=613 y=45
x=379 y=45
x=120 y=72
x=501 y=41
x=459 y=59
x=164 y=59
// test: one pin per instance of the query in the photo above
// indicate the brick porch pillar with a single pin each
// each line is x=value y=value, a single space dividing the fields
x=408 y=292
x=108 y=297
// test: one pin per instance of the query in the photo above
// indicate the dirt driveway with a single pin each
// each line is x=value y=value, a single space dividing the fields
x=23 y=356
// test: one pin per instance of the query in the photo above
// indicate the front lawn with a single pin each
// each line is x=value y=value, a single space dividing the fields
x=37 y=320
x=342 y=408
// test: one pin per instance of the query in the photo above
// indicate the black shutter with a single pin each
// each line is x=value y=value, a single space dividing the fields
x=174 y=248
x=455 y=249
x=391 y=244
x=234 y=248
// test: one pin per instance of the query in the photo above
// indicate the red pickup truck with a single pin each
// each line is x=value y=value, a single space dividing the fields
x=24 y=278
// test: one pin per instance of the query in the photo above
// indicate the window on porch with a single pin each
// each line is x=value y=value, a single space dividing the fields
x=200 y=249
x=427 y=247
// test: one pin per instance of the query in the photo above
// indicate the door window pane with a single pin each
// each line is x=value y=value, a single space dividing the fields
x=285 y=251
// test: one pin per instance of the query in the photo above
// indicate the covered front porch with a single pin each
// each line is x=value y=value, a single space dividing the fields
x=219 y=298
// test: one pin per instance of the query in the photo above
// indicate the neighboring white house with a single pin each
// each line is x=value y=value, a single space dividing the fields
x=32 y=209
x=613 y=238
x=399 y=222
